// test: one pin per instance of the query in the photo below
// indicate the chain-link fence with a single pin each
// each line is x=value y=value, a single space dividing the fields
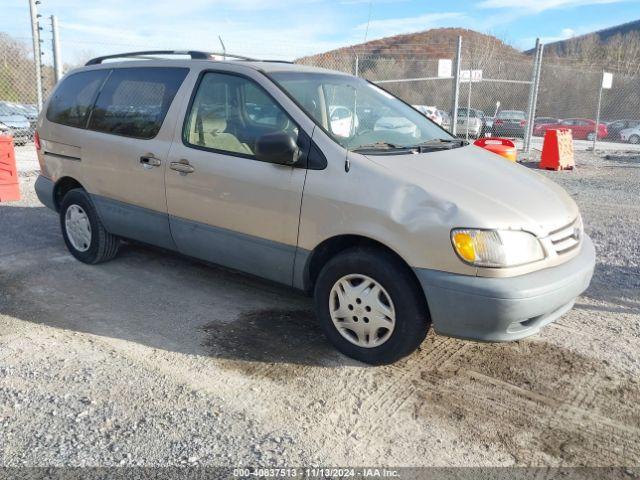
x=484 y=92
x=569 y=96
x=499 y=95
x=487 y=87
x=18 y=88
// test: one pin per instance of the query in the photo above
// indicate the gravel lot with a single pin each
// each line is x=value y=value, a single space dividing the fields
x=155 y=359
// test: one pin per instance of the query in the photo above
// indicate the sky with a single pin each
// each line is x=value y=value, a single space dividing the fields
x=287 y=29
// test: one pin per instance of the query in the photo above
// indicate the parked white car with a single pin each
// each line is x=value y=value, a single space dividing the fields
x=446 y=120
x=432 y=113
x=473 y=120
x=631 y=135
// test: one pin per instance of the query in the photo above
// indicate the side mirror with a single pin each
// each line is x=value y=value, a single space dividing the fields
x=278 y=147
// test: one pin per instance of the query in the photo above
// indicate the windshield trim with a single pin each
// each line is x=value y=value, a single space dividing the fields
x=319 y=125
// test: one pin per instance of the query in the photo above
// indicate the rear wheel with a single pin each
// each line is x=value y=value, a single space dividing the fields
x=635 y=139
x=370 y=306
x=591 y=136
x=82 y=229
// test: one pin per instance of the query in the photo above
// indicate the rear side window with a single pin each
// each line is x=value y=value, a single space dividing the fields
x=134 y=101
x=73 y=99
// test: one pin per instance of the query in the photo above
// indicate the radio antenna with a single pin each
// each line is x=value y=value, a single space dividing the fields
x=366 y=31
x=224 y=49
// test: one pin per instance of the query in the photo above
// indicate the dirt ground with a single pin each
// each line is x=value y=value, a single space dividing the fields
x=156 y=359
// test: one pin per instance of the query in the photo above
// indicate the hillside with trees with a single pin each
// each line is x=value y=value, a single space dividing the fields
x=616 y=49
x=570 y=79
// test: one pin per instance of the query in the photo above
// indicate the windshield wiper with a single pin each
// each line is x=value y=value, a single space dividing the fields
x=429 y=145
x=383 y=146
x=440 y=144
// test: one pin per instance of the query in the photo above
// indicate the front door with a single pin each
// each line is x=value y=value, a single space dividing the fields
x=224 y=205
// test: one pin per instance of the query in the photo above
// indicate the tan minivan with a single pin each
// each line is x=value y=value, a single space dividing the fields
x=315 y=179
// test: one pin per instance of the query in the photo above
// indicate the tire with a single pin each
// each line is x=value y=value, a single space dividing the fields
x=591 y=136
x=99 y=246
x=635 y=139
x=407 y=305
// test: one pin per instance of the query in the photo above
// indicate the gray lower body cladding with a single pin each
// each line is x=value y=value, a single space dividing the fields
x=503 y=309
x=254 y=255
x=44 y=190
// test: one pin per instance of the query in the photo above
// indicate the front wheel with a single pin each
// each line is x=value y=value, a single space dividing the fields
x=370 y=306
x=635 y=139
x=591 y=136
x=83 y=232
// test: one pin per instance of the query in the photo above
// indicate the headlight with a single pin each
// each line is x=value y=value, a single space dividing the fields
x=496 y=248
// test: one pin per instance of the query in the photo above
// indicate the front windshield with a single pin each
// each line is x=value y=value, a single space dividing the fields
x=358 y=114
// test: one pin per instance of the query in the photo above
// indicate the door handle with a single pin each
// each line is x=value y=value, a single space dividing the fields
x=150 y=160
x=182 y=166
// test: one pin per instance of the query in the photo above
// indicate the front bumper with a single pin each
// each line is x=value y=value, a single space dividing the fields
x=504 y=309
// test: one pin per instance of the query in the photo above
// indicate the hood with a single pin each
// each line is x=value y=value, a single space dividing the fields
x=488 y=190
x=16 y=121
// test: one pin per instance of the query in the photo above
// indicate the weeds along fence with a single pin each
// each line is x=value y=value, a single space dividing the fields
x=480 y=82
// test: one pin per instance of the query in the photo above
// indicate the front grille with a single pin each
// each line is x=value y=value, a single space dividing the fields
x=567 y=238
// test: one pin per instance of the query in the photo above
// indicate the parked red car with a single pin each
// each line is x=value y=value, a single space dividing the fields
x=581 y=128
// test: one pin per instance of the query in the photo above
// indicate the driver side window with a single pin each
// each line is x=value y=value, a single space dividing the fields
x=229 y=113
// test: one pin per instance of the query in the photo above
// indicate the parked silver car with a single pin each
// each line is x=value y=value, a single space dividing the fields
x=14 y=124
x=391 y=229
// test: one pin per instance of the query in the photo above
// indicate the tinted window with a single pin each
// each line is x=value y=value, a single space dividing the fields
x=134 y=101
x=229 y=113
x=72 y=100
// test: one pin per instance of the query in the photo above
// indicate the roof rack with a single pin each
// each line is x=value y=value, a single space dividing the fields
x=194 y=54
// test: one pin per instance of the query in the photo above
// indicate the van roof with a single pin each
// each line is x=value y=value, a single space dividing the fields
x=149 y=57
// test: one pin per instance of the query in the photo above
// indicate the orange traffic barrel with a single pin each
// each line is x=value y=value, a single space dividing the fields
x=9 y=189
x=501 y=146
x=557 y=150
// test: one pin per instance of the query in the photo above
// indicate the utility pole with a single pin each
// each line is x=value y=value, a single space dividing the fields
x=533 y=95
x=55 y=47
x=466 y=135
x=37 y=58
x=595 y=133
x=456 y=88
